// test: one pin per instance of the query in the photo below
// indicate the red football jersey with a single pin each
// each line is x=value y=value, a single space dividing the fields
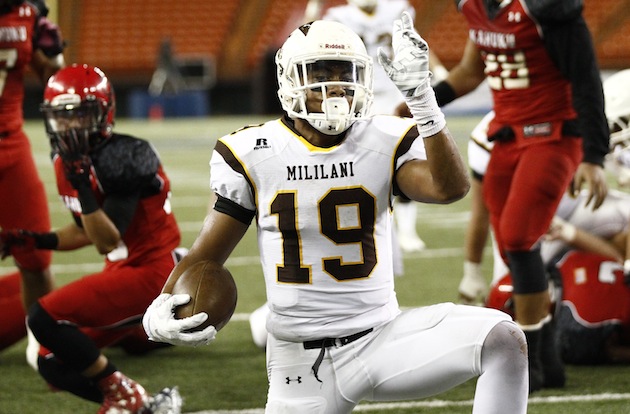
x=153 y=231
x=16 y=48
x=519 y=70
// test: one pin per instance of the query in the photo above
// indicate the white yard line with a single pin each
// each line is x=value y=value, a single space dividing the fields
x=442 y=403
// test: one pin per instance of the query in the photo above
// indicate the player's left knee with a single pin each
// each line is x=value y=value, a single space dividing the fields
x=505 y=347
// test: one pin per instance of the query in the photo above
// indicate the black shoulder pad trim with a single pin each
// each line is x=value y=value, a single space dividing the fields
x=229 y=207
x=125 y=164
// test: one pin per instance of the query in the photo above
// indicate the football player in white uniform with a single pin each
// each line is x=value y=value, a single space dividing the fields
x=372 y=21
x=319 y=183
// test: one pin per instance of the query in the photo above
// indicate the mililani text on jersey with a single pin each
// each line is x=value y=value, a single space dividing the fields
x=320 y=171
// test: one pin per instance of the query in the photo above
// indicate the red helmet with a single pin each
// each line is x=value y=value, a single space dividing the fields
x=500 y=296
x=79 y=105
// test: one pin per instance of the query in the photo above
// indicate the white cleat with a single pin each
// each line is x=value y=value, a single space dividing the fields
x=167 y=401
x=411 y=242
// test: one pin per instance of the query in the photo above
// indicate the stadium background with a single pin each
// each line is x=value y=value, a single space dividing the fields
x=238 y=37
x=123 y=37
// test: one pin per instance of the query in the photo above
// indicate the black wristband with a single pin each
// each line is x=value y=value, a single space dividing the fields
x=47 y=241
x=444 y=93
x=87 y=200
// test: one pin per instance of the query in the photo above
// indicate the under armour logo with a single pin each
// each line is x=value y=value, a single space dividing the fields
x=514 y=17
x=298 y=379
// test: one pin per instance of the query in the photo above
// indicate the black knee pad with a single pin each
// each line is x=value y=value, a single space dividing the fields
x=66 y=341
x=528 y=271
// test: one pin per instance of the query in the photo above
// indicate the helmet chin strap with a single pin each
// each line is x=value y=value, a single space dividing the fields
x=337 y=120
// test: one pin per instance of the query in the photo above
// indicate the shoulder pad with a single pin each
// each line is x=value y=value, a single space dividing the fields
x=393 y=125
x=125 y=164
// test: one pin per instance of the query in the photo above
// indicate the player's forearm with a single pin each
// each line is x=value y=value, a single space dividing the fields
x=101 y=231
x=462 y=78
x=448 y=170
x=71 y=237
x=584 y=240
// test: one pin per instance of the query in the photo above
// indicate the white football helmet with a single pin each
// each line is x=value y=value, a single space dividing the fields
x=363 y=4
x=617 y=98
x=315 y=47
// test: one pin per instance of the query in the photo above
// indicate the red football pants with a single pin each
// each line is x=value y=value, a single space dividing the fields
x=12 y=315
x=523 y=187
x=104 y=305
x=24 y=204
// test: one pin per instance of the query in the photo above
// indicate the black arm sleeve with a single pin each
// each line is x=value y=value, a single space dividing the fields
x=444 y=93
x=570 y=46
x=120 y=208
x=232 y=209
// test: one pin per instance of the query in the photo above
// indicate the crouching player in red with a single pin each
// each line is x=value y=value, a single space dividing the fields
x=118 y=194
x=592 y=308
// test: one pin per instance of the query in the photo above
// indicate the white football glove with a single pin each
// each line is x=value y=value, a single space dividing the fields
x=160 y=324
x=409 y=69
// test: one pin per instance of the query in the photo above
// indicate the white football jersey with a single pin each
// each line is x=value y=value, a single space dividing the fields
x=323 y=218
x=376 y=31
x=479 y=148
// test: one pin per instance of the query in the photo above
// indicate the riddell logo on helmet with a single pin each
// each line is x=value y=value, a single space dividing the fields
x=334 y=46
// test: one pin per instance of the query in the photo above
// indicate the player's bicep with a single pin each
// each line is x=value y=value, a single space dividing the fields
x=219 y=235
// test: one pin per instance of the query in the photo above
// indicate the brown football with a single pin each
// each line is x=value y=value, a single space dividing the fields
x=212 y=290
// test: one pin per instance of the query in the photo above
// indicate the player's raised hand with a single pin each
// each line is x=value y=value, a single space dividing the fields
x=160 y=324
x=409 y=68
x=73 y=149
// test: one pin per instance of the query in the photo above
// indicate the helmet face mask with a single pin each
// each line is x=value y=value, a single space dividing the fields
x=325 y=76
x=79 y=108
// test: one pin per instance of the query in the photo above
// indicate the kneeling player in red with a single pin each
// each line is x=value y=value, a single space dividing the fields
x=118 y=194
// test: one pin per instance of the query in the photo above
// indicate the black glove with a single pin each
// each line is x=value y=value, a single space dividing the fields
x=73 y=147
x=49 y=38
x=25 y=240
x=78 y=173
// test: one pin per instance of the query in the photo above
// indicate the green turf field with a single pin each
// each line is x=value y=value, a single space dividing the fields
x=230 y=373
